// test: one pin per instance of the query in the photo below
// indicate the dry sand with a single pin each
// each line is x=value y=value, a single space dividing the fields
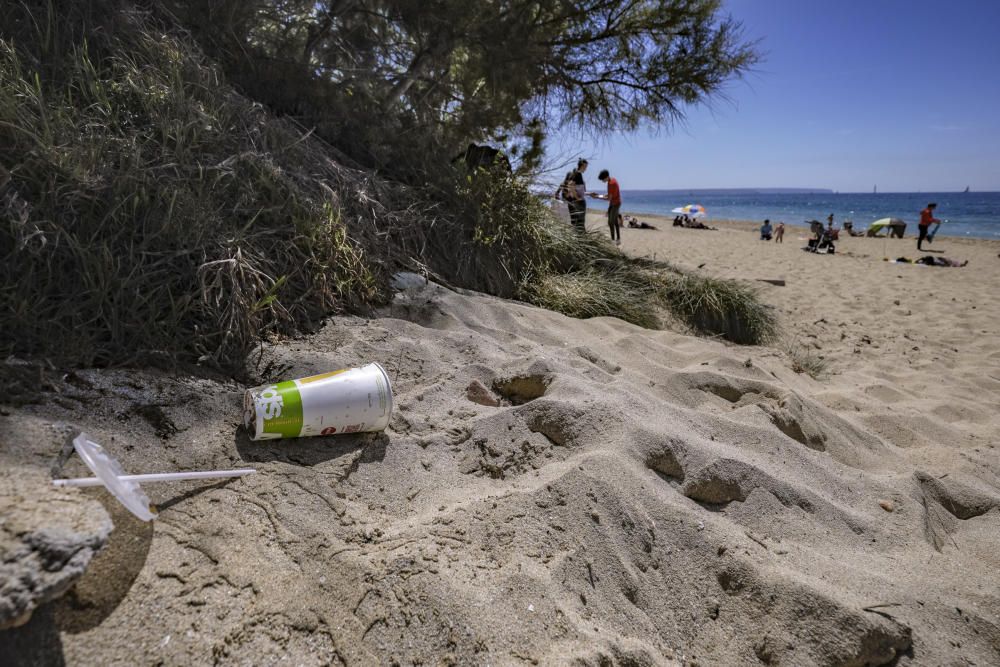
x=637 y=497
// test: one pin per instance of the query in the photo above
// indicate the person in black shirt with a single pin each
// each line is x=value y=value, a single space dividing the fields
x=576 y=197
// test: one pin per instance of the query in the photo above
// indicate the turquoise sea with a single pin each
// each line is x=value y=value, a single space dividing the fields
x=973 y=214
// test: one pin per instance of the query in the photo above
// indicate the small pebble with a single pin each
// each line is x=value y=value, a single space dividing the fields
x=886 y=505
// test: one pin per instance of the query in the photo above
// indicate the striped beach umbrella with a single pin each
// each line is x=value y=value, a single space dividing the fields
x=691 y=210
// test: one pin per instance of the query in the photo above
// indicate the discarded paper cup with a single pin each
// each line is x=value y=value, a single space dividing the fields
x=351 y=400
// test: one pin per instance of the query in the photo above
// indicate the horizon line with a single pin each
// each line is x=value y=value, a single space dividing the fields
x=830 y=191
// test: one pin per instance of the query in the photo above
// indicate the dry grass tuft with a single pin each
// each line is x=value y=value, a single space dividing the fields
x=595 y=293
x=805 y=360
x=154 y=215
x=719 y=307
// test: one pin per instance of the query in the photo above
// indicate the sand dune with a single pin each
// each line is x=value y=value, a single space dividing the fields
x=631 y=497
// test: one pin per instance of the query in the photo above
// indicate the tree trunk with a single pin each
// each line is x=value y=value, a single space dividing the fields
x=418 y=66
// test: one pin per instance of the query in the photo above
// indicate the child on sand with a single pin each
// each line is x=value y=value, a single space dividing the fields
x=779 y=233
x=765 y=231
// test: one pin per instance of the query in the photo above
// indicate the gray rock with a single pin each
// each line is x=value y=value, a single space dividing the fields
x=405 y=280
x=47 y=538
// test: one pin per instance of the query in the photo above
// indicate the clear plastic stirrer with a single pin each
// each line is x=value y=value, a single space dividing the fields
x=125 y=488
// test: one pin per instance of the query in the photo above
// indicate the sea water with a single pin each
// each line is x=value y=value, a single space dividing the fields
x=972 y=214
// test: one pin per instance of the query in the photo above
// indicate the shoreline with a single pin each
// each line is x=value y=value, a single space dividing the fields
x=910 y=226
x=752 y=226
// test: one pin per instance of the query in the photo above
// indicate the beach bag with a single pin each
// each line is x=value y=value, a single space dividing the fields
x=567 y=191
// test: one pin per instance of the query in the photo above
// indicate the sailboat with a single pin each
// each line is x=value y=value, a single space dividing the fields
x=966 y=188
x=875 y=190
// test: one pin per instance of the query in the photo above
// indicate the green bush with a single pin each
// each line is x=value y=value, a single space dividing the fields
x=153 y=214
x=720 y=307
x=519 y=249
x=596 y=293
x=150 y=213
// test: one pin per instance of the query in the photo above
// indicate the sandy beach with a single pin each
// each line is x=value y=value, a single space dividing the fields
x=560 y=491
x=530 y=445
x=921 y=341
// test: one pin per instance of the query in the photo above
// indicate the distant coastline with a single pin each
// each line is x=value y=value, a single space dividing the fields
x=738 y=191
x=792 y=191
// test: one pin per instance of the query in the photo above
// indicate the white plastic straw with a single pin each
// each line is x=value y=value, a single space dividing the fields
x=157 y=477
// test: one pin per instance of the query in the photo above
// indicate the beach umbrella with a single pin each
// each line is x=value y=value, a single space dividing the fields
x=691 y=210
x=885 y=222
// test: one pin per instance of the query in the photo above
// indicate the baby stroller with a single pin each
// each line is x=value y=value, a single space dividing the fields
x=822 y=240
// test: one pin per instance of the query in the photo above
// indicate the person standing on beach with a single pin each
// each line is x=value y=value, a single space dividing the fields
x=614 y=199
x=576 y=197
x=926 y=220
x=779 y=233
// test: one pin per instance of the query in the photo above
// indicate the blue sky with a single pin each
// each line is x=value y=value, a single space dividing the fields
x=902 y=94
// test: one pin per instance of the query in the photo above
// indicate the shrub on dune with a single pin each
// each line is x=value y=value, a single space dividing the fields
x=720 y=307
x=152 y=214
x=521 y=250
x=597 y=293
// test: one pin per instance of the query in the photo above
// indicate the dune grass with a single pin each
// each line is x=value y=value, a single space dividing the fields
x=717 y=306
x=149 y=214
x=596 y=293
x=584 y=275
x=807 y=361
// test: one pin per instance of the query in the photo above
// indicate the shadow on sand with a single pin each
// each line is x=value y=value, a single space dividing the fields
x=93 y=598
x=110 y=575
x=36 y=643
x=311 y=451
